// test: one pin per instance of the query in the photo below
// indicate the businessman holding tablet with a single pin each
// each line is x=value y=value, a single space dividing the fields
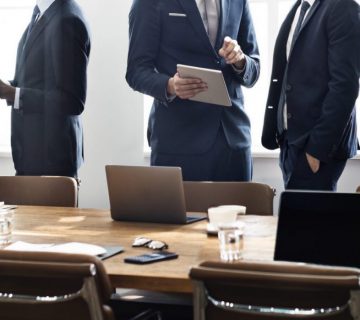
x=208 y=141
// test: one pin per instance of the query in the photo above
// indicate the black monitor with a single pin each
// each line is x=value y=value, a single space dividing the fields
x=319 y=227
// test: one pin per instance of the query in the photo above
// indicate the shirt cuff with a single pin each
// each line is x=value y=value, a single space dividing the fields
x=17 y=99
x=237 y=70
x=168 y=97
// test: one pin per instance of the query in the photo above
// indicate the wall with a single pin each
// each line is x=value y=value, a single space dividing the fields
x=113 y=118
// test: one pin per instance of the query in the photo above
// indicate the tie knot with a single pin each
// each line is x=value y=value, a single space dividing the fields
x=305 y=6
x=36 y=11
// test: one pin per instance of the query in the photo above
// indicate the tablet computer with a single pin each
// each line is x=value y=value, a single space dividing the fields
x=217 y=92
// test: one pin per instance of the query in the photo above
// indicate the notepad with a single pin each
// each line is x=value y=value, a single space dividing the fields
x=5 y=207
x=216 y=93
x=70 y=247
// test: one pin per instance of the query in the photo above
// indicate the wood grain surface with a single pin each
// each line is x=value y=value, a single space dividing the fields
x=190 y=242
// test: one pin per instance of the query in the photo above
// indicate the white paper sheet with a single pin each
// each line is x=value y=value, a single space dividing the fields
x=70 y=247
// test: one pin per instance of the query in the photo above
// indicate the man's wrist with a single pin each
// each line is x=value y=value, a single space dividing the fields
x=170 y=87
x=240 y=65
x=9 y=93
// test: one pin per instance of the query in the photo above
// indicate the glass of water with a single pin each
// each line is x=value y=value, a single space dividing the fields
x=6 y=217
x=231 y=240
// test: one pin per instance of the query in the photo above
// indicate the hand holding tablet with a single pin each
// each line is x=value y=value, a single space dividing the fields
x=185 y=88
x=216 y=92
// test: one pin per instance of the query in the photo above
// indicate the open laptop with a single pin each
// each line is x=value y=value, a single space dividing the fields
x=319 y=227
x=147 y=194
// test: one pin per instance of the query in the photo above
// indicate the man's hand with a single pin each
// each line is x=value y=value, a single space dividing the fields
x=185 y=88
x=232 y=53
x=7 y=92
x=314 y=163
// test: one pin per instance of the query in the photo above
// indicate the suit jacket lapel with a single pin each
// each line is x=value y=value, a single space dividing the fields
x=195 y=19
x=307 y=19
x=310 y=14
x=224 y=13
x=39 y=27
x=286 y=26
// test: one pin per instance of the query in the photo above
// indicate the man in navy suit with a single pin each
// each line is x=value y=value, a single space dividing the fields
x=209 y=142
x=310 y=110
x=49 y=90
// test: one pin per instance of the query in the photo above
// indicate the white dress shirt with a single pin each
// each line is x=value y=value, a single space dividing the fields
x=288 y=45
x=202 y=9
x=296 y=18
x=43 y=6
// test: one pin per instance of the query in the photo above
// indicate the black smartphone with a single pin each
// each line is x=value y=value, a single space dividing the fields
x=151 y=257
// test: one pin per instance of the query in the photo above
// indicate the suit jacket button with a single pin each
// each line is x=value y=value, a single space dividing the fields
x=289 y=115
x=288 y=87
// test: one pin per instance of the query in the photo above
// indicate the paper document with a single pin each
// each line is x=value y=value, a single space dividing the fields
x=6 y=207
x=70 y=247
x=216 y=93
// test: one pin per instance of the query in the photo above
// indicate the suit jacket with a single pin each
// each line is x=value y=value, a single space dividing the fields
x=159 y=41
x=322 y=81
x=46 y=132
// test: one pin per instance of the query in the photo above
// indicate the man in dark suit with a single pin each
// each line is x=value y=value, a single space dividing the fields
x=209 y=142
x=310 y=110
x=48 y=92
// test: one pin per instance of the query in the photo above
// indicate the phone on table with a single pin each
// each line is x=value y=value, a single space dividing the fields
x=151 y=257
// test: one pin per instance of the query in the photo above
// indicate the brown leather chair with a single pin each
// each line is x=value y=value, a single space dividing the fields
x=358 y=189
x=256 y=197
x=39 y=286
x=274 y=290
x=39 y=190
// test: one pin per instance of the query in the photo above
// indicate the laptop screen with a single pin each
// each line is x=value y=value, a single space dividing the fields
x=319 y=227
x=147 y=194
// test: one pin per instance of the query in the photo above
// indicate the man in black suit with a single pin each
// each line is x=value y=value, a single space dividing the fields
x=208 y=141
x=310 y=110
x=49 y=90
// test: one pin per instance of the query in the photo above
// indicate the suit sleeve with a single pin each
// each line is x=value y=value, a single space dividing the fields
x=344 y=69
x=248 y=44
x=69 y=47
x=145 y=33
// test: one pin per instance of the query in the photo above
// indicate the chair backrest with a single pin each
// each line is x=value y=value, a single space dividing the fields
x=53 y=286
x=274 y=290
x=39 y=190
x=358 y=189
x=256 y=197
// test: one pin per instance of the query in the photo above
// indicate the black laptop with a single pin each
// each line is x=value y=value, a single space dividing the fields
x=319 y=227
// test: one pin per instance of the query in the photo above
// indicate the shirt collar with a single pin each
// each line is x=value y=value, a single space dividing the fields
x=44 y=5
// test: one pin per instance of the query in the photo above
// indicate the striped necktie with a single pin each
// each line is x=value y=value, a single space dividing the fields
x=281 y=125
x=304 y=8
x=34 y=17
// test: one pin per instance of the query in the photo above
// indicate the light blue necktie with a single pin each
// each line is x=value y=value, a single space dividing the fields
x=212 y=19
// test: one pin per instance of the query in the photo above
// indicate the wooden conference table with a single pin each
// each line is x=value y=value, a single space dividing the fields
x=190 y=242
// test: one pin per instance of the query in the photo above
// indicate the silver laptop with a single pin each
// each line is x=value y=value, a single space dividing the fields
x=147 y=194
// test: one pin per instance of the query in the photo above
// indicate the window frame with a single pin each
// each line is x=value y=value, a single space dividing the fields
x=5 y=147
